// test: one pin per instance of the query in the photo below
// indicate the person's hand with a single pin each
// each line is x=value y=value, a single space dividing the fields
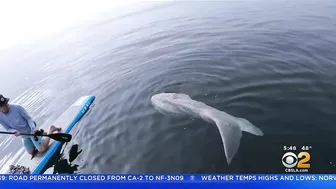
x=38 y=132
x=17 y=133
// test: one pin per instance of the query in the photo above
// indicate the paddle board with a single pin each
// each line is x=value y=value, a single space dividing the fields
x=66 y=121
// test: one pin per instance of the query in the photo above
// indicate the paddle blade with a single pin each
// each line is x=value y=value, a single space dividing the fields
x=62 y=137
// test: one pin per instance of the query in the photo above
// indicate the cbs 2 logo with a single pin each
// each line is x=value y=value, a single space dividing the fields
x=290 y=160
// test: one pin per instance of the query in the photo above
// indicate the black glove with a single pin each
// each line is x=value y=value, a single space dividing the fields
x=38 y=133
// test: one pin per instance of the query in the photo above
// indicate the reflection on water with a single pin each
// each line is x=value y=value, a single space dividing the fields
x=58 y=164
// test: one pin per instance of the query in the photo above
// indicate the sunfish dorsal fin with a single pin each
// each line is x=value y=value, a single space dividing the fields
x=231 y=135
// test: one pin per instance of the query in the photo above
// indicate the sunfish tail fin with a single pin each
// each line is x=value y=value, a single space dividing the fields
x=247 y=126
x=231 y=135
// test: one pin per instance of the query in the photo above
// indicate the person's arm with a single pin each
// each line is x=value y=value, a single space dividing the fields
x=27 y=117
x=6 y=127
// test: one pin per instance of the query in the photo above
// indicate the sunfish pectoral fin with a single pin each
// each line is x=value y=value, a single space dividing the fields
x=231 y=135
x=247 y=126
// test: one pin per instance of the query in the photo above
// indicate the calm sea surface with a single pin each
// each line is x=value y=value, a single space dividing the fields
x=271 y=62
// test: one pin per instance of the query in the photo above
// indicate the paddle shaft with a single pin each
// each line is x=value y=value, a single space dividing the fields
x=63 y=137
x=12 y=133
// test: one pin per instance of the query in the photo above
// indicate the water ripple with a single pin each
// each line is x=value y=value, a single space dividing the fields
x=273 y=64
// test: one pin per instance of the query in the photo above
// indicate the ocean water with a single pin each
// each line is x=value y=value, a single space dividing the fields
x=270 y=62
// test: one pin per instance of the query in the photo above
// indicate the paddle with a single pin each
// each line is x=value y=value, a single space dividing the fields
x=62 y=137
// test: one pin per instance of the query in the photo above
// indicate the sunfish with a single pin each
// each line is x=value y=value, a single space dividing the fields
x=230 y=127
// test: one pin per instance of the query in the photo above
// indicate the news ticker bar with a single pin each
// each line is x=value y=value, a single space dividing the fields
x=168 y=177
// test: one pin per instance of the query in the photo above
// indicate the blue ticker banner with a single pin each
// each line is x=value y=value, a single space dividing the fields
x=169 y=181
